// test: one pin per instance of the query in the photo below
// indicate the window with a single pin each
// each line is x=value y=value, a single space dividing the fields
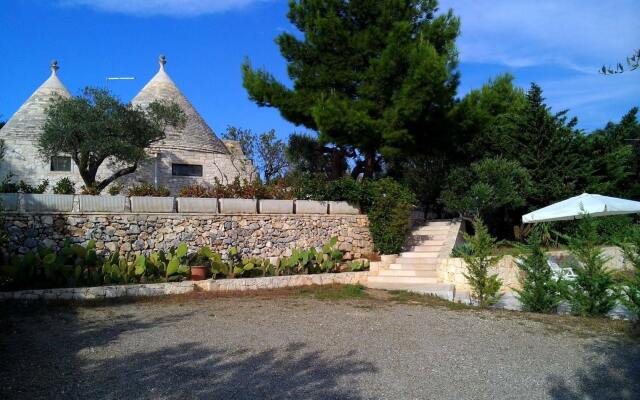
x=60 y=163
x=186 y=170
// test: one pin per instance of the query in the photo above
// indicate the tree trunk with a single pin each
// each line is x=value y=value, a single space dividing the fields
x=124 y=171
x=369 y=163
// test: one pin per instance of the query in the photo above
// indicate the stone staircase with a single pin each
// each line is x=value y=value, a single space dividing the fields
x=418 y=269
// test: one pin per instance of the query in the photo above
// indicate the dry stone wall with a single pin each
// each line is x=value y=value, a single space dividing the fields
x=255 y=235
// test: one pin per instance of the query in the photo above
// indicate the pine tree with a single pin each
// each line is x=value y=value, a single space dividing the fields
x=376 y=76
x=477 y=255
x=593 y=291
x=541 y=291
x=547 y=145
x=614 y=158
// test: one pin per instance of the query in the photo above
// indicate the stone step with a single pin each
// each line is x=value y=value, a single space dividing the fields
x=415 y=267
x=421 y=254
x=426 y=242
x=429 y=248
x=429 y=229
x=401 y=279
x=442 y=290
x=418 y=260
x=429 y=236
x=422 y=273
x=446 y=222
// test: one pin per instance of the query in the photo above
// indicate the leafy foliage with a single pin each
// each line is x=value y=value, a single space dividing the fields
x=148 y=189
x=541 y=291
x=115 y=189
x=388 y=204
x=64 y=186
x=367 y=75
x=265 y=150
x=631 y=285
x=240 y=189
x=632 y=63
x=271 y=155
x=477 y=255
x=593 y=292
x=545 y=145
x=306 y=155
x=75 y=265
x=612 y=157
x=96 y=126
x=486 y=186
x=7 y=185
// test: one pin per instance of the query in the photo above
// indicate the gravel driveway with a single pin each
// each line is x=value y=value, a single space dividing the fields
x=299 y=347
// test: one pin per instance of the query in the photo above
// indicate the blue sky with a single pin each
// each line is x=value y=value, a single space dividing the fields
x=558 y=44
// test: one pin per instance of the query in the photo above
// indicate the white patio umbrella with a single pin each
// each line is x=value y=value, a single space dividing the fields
x=574 y=207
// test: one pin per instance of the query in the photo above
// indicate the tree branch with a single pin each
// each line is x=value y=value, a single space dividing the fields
x=124 y=171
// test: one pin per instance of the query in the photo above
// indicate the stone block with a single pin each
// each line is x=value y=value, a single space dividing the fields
x=9 y=201
x=102 y=203
x=311 y=207
x=197 y=205
x=342 y=207
x=48 y=202
x=238 y=206
x=152 y=204
x=276 y=206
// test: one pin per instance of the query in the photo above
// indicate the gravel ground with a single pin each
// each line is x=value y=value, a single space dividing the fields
x=302 y=348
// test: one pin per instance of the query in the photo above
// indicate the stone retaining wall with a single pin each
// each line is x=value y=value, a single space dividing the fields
x=159 y=289
x=256 y=235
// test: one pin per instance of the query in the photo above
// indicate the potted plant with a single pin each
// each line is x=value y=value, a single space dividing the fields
x=200 y=266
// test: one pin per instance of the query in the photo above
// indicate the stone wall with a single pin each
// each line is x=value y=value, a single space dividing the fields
x=266 y=235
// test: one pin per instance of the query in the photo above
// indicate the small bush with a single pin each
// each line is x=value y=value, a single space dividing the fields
x=148 y=189
x=7 y=185
x=476 y=253
x=388 y=204
x=91 y=190
x=64 y=186
x=593 y=292
x=195 y=190
x=115 y=188
x=631 y=284
x=540 y=292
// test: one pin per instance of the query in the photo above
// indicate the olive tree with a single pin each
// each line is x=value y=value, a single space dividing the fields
x=96 y=126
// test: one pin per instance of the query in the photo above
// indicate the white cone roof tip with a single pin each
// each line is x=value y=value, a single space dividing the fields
x=196 y=134
x=27 y=122
x=575 y=207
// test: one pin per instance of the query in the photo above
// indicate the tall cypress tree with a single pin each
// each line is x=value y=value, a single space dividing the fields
x=547 y=145
x=377 y=76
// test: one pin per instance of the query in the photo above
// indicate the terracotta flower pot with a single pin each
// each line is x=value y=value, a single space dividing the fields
x=199 y=272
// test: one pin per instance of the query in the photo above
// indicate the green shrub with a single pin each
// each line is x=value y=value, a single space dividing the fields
x=594 y=291
x=195 y=190
x=540 y=292
x=388 y=204
x=72 y=265
x=7 y=185
x=115 y=188
x=64 y=186
x=631 y=284
x=148 y=189
x=477 y=254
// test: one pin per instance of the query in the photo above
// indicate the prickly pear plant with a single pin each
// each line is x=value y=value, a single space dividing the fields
x=177 y=264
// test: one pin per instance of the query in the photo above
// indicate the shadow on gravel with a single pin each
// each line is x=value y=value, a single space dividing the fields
x=614 y=374
x=50 y=354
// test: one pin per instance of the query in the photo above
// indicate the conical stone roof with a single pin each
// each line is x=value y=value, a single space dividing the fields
x=26 y=124
x=196 y=134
